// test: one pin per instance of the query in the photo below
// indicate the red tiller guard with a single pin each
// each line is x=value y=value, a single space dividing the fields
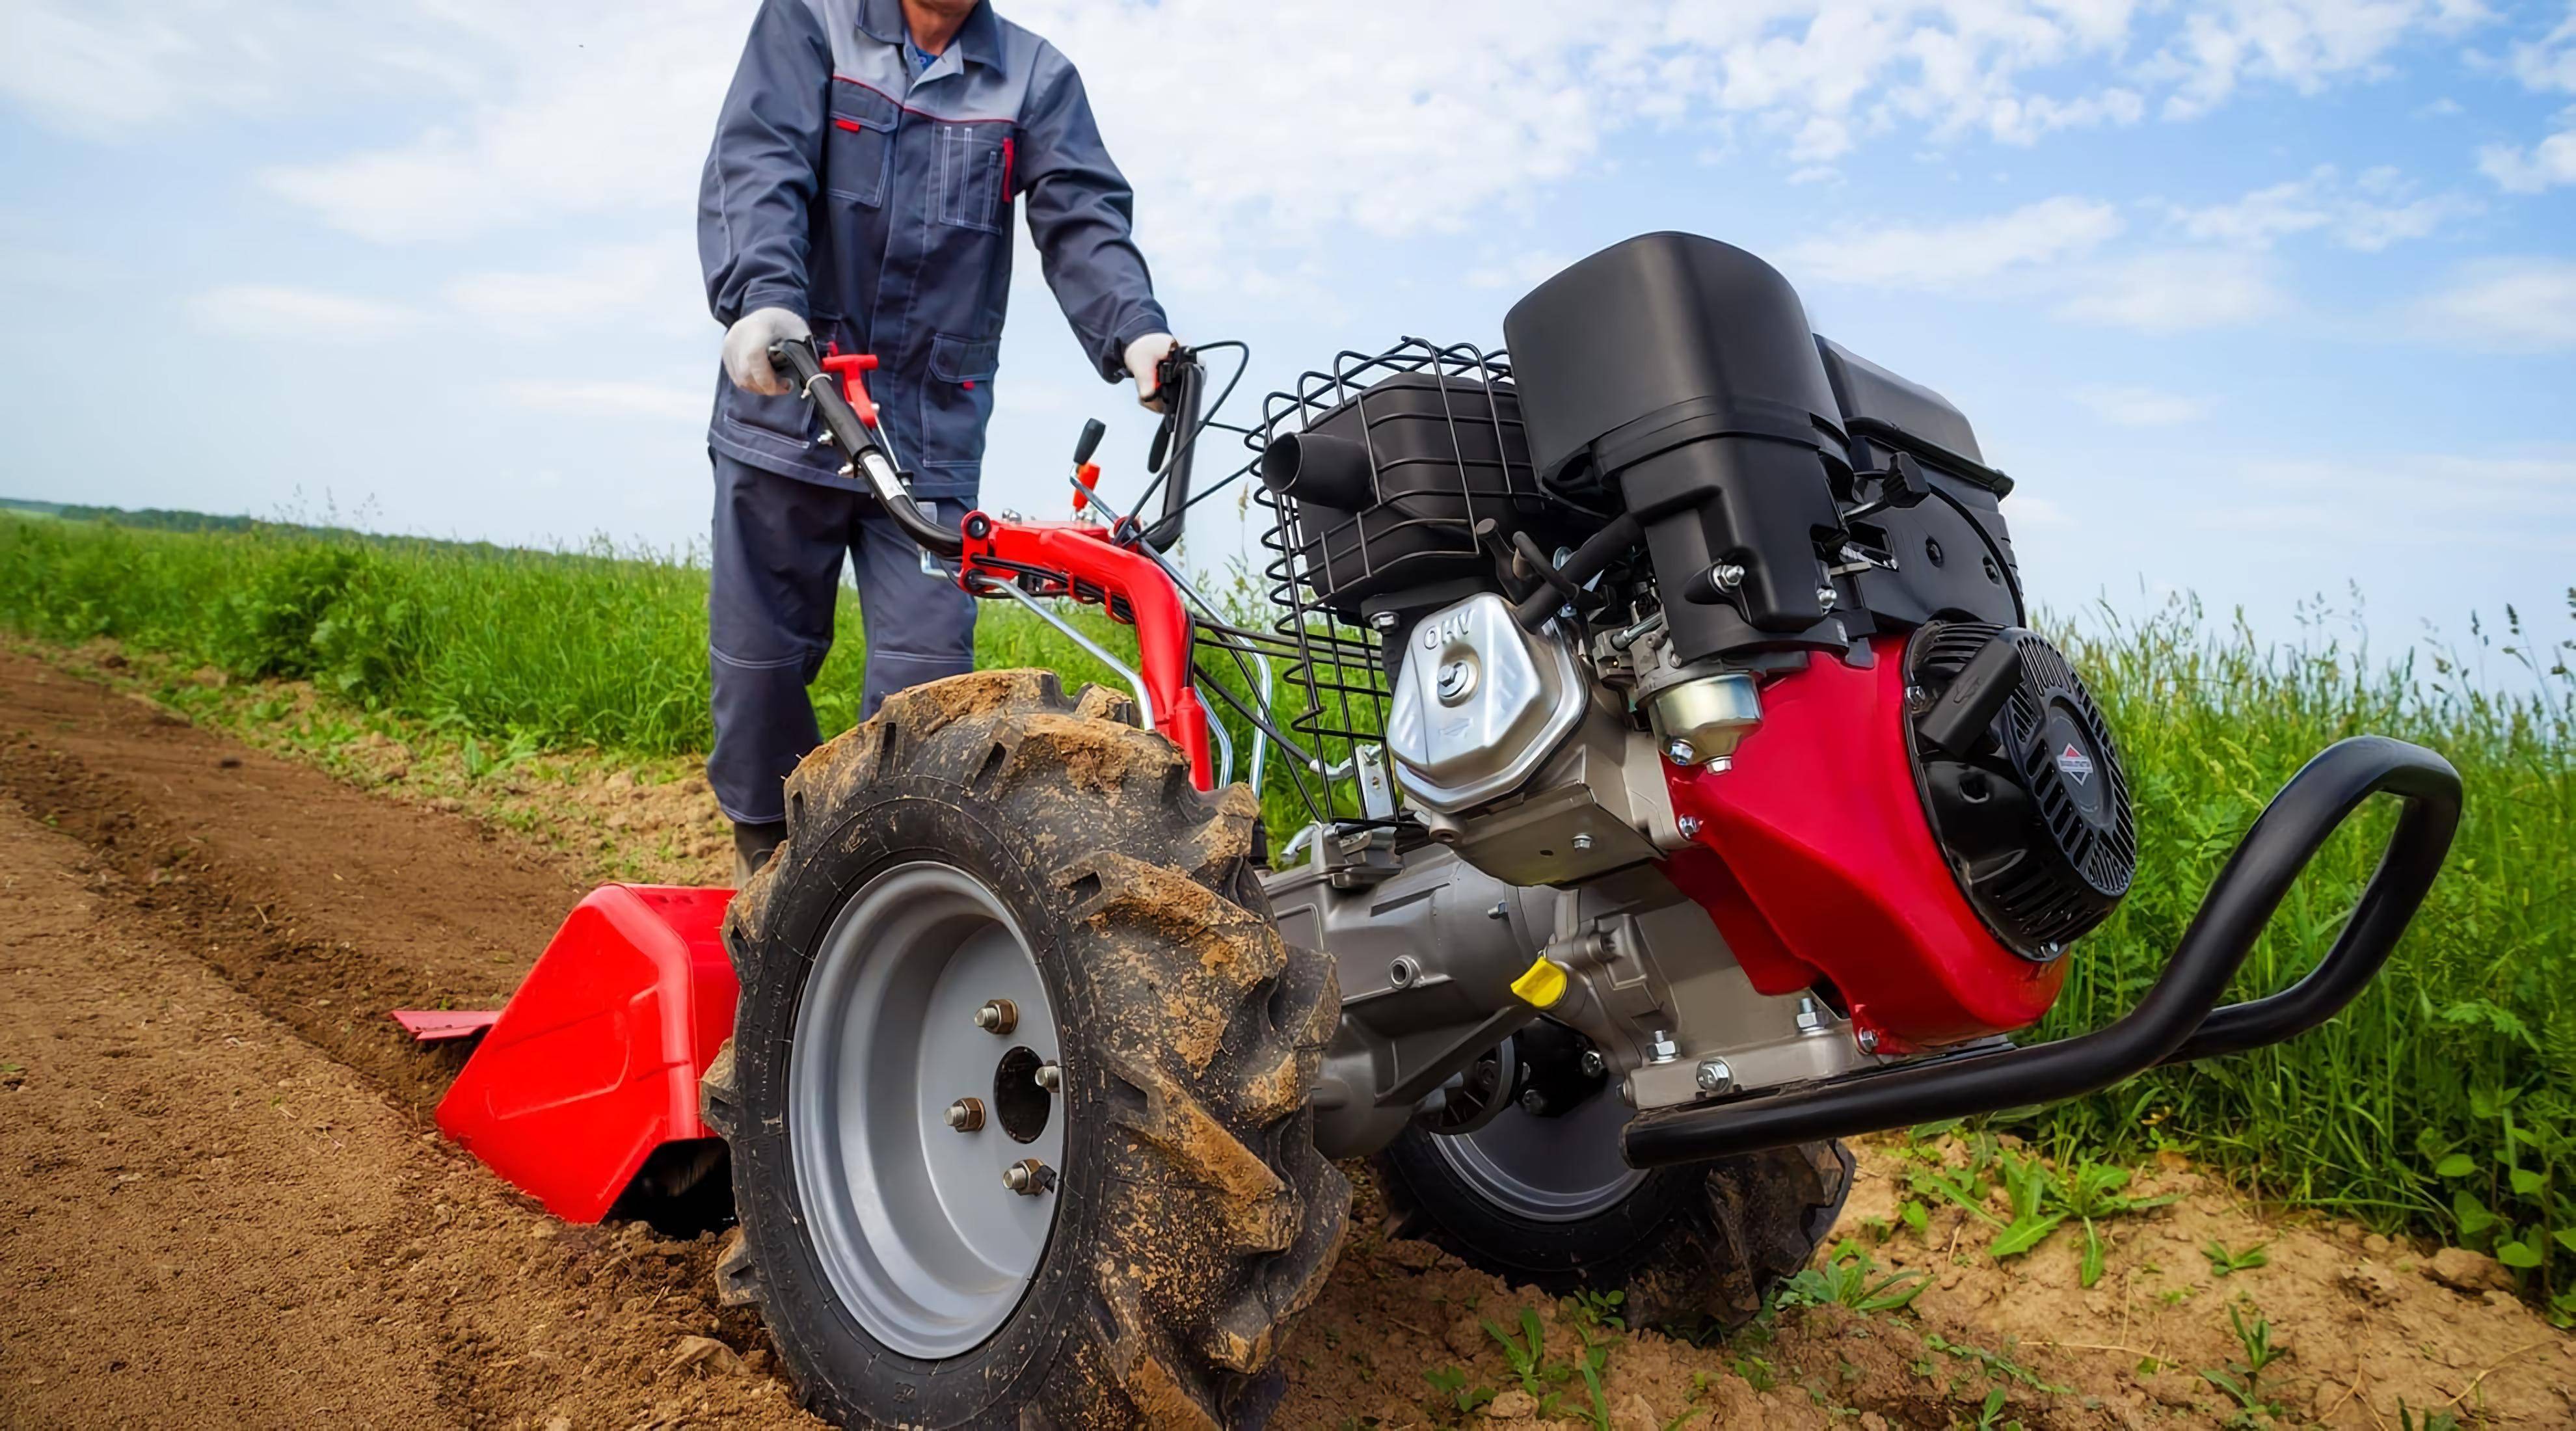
x=1816 y=862
x=595 y=1061
x=1089 y=565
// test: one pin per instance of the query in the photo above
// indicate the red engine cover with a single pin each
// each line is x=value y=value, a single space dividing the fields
x=1816 y=862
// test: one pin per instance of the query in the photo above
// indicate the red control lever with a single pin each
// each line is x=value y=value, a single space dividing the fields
x=853 y=387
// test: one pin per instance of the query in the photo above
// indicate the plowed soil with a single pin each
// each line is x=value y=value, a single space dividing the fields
x=222 y=1200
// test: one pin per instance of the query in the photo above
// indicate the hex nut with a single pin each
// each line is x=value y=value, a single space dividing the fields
x=1050 y=1077
x=998 y=1016
x=966 y=1115
x=1715 y=1076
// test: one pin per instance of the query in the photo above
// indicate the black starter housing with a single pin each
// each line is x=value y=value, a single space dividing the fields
x=1682 y=370
x=2021 y=782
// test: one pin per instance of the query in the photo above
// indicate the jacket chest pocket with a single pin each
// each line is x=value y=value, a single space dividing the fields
x=859 y=147
x=971 y=173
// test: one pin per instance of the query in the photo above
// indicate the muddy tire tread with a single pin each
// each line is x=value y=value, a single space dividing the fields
x=1204 y=1031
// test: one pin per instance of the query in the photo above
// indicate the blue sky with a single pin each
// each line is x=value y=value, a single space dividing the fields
x=2257 y=299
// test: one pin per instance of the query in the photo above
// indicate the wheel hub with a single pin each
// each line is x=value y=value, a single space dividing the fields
x=1558 y=1168
x=913 y=1107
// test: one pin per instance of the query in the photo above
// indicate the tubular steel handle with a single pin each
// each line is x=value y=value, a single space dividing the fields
x=2361 y=766
x=2175 y=1021
x=867 y=456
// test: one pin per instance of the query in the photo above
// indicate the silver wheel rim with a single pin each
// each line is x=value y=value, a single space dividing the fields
x=915 y=1230
x=1560 y=1169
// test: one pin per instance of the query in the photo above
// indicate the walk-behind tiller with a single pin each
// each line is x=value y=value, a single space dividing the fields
x=1684 y=792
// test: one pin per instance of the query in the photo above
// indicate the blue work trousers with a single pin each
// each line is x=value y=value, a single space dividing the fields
x=776 y=569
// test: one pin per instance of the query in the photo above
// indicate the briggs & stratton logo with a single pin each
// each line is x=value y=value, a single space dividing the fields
x=2076 y=765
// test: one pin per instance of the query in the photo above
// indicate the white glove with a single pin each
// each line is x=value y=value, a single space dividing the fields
x=746 y=349
x=1142 y=356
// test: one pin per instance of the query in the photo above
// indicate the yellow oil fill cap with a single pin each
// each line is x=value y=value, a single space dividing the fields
x=1541 y=985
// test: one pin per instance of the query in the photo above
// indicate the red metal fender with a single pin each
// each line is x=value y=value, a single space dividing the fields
x=595 y=1061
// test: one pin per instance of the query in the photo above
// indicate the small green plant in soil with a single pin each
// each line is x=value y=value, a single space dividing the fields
x=1527 y=1354
x=1848 y=1277
x=2437 y=1419
x=2224 y=1263
x=2243 y=1379
x=1997 y=1366
x=1989 y=1414
x=1598 y=1309
x=2037 y=1199
x=1451 y=1391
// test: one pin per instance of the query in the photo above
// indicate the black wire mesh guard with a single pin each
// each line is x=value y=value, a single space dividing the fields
x=1440 y=476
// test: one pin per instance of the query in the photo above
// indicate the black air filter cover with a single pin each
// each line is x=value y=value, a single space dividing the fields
x=2031 y=808
x=1681 y=372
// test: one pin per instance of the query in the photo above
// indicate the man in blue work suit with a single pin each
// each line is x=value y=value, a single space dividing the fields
x=860 y=192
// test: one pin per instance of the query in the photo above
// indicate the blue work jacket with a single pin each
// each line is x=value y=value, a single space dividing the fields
x=876 y=202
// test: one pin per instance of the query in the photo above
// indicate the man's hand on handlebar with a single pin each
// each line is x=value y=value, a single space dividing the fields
x=746 y=350
x=1144 y=363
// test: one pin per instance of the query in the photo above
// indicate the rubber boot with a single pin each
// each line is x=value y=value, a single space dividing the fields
x=752 y=847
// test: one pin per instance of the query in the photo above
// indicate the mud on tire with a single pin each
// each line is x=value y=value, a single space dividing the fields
x=1701 y=1243
x=1193 y=1213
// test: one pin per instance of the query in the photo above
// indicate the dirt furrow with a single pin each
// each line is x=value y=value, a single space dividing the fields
x=320 y=903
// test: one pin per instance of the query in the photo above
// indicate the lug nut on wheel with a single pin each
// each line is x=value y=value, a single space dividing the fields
x=998 y=1016
x=1050 y=1078
x=966 y=1114
x=1028 y=1177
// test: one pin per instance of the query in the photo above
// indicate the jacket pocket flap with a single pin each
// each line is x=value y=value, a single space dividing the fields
x=856 y=104
x=957 y=360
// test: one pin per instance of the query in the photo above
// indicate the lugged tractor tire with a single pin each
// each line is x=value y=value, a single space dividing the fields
x=1687 y=1246
x=1193 y=1215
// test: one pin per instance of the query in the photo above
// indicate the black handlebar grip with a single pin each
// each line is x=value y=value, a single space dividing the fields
x=1180 y=380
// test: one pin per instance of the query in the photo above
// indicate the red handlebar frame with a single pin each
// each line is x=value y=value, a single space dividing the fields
x=1084 y=562
x=1087 y=563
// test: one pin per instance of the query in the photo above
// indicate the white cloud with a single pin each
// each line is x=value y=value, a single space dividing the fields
x=1306 y=116
x=2142 y=407
x=2305 y=45
x=2177 y=291
x=2544 y=65
x=2516 y=501
x=1941 y=257
x=612 y=117
x=2369 y=213
x=2545 y=165
x=123 y=70
x=2548 y=63
x=609 y=398
x=655 y=284
x=2505 y=305
x=252 y=310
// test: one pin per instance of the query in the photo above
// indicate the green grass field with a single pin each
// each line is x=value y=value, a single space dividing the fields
x=2442 y=1102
